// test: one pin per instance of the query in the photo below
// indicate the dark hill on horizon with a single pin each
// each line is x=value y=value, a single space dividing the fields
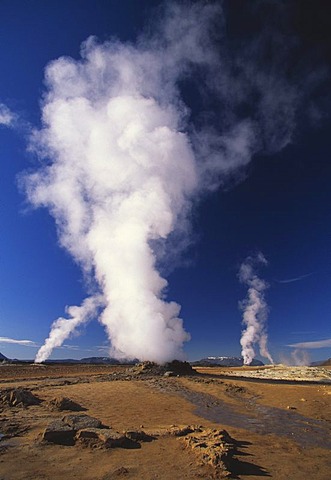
x=321 y=363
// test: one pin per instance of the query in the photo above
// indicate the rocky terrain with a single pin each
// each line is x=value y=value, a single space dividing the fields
x=171 y=422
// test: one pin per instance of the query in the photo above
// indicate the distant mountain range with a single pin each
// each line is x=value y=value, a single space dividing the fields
x=97 y=361
x=204 y=362
x=224 y=362
x=87 y=360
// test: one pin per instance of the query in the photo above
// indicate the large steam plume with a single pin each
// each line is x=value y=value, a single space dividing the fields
x=122 y=157
x=255 y=310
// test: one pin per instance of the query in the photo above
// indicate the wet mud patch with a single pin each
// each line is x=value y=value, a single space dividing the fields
x=257 y=418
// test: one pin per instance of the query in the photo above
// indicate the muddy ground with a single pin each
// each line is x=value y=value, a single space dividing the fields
x=277 y=430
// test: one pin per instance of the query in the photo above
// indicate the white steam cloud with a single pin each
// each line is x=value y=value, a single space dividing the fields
x=122 y=158
x=255 y=310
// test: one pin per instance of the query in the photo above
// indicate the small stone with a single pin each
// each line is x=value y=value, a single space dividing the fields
x=121 y=472
x=138 y=436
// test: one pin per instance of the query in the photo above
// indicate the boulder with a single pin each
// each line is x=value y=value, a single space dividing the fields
x=63 y=431
x=80 y=422
x=60 y=433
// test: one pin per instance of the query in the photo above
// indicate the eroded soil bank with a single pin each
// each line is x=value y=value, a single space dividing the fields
x=280 y=431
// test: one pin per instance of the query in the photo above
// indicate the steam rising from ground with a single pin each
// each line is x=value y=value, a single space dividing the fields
x=122 y=158
x=255 y=310
x=6 y=116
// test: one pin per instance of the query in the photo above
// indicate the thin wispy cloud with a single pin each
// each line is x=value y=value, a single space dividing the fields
x=102 y=349
x=295 y=279
x=25 y=343
x=70 y=347
x=74 y=348
x=310 y=345
x=303 y=332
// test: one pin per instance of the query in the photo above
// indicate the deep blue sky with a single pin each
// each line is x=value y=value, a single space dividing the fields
x=281 y=206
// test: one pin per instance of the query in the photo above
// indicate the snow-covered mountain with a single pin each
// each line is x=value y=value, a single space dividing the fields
x=225 y=362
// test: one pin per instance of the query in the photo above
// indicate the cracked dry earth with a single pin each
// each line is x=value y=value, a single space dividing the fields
x=192 y=427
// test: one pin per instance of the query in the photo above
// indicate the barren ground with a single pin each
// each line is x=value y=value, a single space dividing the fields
x=282 y=430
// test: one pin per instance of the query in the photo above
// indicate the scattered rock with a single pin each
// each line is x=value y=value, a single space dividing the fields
x=105 y=437
x=138 y=436
x=119 y=472
x=12 y=428
x=64 y=403
x=182 y=431
x=234 y=390
x=18 y=397
x=289 y=407
x=283 y=372
x=174 y=431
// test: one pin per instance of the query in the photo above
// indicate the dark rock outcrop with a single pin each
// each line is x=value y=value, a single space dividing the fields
x=173 y=368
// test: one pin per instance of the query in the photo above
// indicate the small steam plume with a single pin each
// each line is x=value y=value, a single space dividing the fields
x=300 y=357
x=6 y=116
x=62 y=328
x=122 y=158
x=255 y=310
